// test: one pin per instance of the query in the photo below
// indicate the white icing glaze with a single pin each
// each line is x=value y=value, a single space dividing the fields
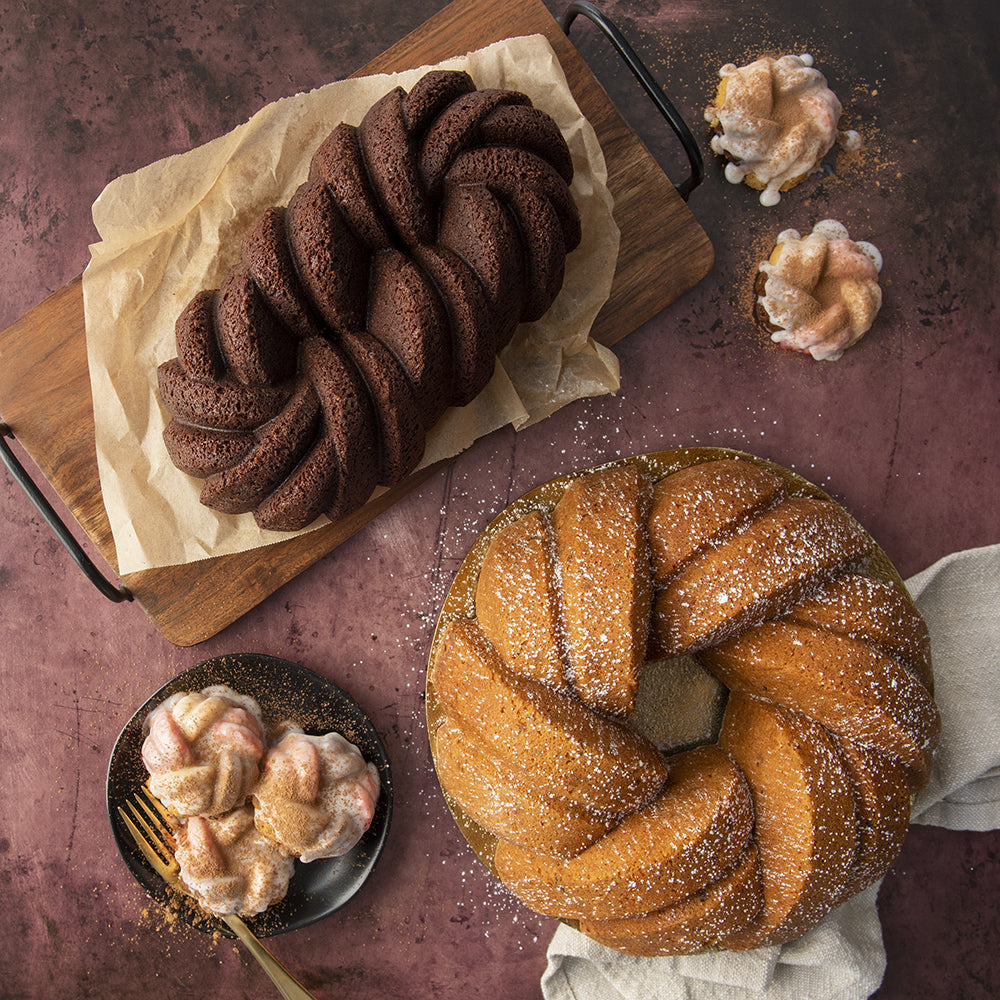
x=822 y=292
x=316 y=796
x=231 y=868
x=778 y=119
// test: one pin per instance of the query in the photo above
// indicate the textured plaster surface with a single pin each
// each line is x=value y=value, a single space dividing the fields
x=903 y=431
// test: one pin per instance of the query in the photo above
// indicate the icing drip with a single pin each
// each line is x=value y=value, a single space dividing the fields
x=777 y=119
x=821 y=290
x=229 y=867
x=317 y=795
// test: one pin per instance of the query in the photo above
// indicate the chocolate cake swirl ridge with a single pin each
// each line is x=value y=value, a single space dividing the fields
x=376 y=299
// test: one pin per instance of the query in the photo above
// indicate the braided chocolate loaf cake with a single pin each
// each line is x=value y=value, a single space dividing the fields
x=376 y=299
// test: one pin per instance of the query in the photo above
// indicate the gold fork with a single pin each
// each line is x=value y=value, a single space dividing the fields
x=146 y=822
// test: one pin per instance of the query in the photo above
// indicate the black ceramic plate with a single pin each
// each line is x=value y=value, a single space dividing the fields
x=284 y=691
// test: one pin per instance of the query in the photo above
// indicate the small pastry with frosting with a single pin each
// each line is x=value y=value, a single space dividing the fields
x=316 y=796
x=819 y=293
x=229 y=867
x=775 y=120
x=203 y=750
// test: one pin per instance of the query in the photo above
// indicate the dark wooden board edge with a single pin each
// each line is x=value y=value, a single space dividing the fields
x=188 y=604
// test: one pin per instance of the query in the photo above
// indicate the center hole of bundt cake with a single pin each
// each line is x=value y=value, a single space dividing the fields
x=679 y=704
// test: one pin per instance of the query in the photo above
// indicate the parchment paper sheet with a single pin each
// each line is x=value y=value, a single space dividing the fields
x=175 y=226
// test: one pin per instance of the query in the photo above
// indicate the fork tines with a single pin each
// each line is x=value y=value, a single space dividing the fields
x=146 y=819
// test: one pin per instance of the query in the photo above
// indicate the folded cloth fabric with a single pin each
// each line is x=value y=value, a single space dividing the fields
x=959 y=597
x=842 y=958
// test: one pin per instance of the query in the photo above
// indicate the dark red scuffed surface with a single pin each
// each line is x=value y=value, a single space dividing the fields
x=903 y=431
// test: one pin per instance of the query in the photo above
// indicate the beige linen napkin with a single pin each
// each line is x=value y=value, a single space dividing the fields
x=842 y=958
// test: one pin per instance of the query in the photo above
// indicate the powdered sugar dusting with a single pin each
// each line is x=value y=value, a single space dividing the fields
x=655 y=883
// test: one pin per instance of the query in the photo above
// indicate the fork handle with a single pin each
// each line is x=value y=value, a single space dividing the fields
x=288 y=986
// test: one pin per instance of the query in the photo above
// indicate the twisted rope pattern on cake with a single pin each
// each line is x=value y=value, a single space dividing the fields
x=380 y=296
x=798 y=799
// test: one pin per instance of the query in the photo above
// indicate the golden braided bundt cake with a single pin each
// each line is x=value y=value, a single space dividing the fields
x=545 y=675
x=379 y=297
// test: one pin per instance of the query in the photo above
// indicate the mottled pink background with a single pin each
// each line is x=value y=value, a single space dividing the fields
x=903 y=431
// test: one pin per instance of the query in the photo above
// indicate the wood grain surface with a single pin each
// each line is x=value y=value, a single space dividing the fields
x=45 y=392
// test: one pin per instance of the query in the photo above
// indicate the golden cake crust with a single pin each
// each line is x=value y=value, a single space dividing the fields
x=573 y=752
x=695 y=922
x=505 y=800
x=804 y=825
x=757 y=574
x=517 y=599
x=603 y=555
x=698 y=504
x=874 y=612
x=699 y=824
x=798 y=795
x=848 y=687
x=882 y=808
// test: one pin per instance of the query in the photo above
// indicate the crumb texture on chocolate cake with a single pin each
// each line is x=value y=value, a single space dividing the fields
x=807 y=668
x=376 y=299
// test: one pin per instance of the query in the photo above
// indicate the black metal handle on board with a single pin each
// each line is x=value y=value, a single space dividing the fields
x=652 y=88
x=72 y=546
x=656 y=95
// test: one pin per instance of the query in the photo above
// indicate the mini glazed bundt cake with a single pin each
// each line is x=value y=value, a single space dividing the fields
x=376 y=299
x=230 y=867
x=316 y=795
x=203 y=750
x=819 y=293
x=244 y=796
x=775 y=120
x=799 y=797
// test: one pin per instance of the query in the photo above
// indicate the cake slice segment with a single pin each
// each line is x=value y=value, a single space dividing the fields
x=804 y=823
x=267 y=255
x=691 y=834
x=517 y=599
x=455 y=129
x=506 y=801
x=332 y=262
x=568 y=750
x=696 y=922
x=603 y=563
x=697 y=504
x=390 y=157
x=882 y=807
x=349 y=421
x=845 y=685
x=874 y=612
x=280 y=443
x=471 y=322
x=783 y=555
x=406 y=313
x=258 y=352
x=478 y=227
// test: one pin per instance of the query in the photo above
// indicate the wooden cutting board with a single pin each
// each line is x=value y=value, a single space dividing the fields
x=45 y=394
